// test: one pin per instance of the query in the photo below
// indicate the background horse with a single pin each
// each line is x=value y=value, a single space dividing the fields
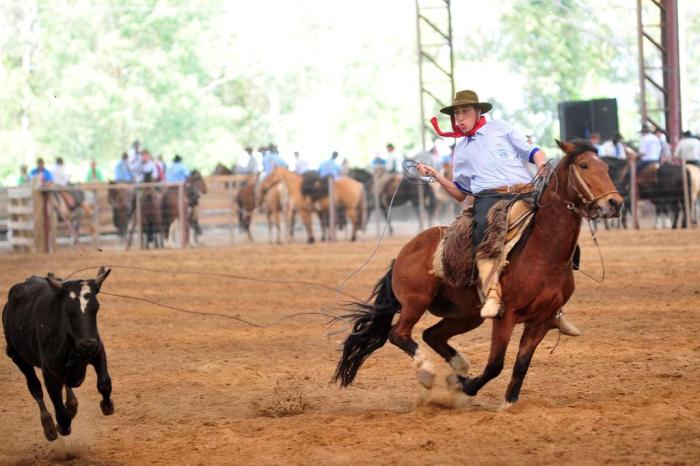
x=660 y=185
x=367 y=180
x=194 y=188
x=537 y=282
x=272 y=202
x=407 y=193
x=445 y=205
x=121 y=201
x=298 y=203
x=349 y=198
x=71 y=207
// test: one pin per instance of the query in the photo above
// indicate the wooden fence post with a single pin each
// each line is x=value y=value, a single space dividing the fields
x=634 y=191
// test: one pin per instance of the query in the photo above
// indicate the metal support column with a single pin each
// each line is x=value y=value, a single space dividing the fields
x=435 y=60
x=659 y=68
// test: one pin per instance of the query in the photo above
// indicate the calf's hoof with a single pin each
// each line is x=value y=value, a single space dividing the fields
x=107 y=407
x=49 y=427
x=72 y=407
x=64 y=431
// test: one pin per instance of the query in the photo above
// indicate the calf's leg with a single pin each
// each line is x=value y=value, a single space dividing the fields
x=37 y=393
x=104 y=382
x=71 y=402
x=54 y=388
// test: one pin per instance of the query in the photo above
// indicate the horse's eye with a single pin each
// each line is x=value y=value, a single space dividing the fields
x=584 y=165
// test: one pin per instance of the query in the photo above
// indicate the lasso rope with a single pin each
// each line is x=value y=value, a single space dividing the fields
x=325 y=311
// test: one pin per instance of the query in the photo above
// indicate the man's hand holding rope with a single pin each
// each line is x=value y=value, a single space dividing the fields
x=449 y=186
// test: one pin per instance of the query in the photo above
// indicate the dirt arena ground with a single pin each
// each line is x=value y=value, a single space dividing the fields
x=195 y=390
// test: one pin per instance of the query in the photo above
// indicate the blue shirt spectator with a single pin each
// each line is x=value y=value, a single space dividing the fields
x=122 y=173
x=330 y=167
x=41 y=173
x=272 y=159
x=177 y=171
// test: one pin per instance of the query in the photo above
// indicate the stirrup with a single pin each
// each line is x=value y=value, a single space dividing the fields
x=566 y=327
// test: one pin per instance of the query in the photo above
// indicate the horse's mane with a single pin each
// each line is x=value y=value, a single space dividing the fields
x=581 y=146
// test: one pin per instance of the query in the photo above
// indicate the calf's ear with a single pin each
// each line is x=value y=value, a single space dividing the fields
x=54 y=283
x=101 y=275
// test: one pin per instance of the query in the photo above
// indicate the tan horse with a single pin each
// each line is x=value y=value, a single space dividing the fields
x=351 y=198
x=445 y=205
x=297 y=202
x=536 y=283
x=693 y=190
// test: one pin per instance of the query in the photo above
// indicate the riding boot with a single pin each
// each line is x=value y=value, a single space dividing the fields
x=491 y=287
x=566 y=327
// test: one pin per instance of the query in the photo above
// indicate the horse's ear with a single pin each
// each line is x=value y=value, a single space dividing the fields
x=566 y=146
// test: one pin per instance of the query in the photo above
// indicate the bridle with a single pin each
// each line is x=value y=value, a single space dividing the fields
x=584 y=194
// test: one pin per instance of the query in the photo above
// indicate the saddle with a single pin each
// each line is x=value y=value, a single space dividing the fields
x=454 y=259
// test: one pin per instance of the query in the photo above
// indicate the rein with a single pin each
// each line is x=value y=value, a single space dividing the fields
x=586 y=213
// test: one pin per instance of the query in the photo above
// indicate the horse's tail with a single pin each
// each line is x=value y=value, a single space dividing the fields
x=370 y=331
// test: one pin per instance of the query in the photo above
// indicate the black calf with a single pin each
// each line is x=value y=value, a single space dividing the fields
x=52 y=324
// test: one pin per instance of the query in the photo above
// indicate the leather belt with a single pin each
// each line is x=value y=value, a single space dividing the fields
x=515 y=189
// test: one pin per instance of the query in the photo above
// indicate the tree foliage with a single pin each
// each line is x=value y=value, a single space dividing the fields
x=559 y=47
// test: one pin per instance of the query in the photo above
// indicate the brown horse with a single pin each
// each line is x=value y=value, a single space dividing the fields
x=350 y=201
x=297 y=202
x=445 y=205
x=194 y=188
x=537 y=282
x=272 y=202
x=121 y=201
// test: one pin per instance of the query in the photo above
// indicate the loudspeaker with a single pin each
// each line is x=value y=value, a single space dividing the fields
x=579 y=119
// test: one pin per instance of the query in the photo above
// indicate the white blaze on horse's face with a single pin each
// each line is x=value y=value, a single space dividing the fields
x=594 y=183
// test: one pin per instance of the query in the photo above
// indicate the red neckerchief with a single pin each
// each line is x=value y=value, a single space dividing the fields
x=456 y=132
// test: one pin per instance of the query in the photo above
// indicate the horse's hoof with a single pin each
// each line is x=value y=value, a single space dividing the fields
x=505 y=405
x=107 y=407
x=468 y=385
x=426 y=378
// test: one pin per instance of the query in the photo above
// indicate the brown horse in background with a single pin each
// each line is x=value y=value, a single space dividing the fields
x=298 y=203
x=170 y=212
x=536 y=283
x=272 y=202
x=445 y=205
x=350 y=202
x=121 y=201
